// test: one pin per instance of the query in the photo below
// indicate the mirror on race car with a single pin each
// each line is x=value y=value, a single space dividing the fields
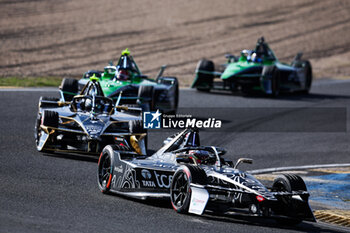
x=243 y=160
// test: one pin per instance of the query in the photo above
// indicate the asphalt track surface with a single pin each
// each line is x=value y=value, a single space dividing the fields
x=59 y=193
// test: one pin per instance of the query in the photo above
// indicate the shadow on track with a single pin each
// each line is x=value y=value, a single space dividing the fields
x=233 y=218
x=265 y=222
x=81 y=157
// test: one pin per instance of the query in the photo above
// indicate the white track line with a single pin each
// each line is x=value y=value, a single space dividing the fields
x=277 y=169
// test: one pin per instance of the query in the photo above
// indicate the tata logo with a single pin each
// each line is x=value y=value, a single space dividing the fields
x=146 y=174
x=152 y=120
x=148 y=183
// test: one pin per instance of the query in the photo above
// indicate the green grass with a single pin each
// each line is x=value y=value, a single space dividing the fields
x=30 y=81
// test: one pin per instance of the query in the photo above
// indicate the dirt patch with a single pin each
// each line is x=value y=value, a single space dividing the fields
x=59 y=38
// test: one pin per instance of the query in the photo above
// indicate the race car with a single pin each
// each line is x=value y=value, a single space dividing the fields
x=255 y=70
x=197 y=179
x=87 y=123
x=161 y=93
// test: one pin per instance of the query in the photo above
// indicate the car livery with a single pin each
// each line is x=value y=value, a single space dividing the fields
x=125 y=77
x=197 y=178
x=255 y=70
x=87 y=122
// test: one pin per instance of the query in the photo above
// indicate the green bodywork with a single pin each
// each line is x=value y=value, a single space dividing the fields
x=109 y=85
x=109 y=81
x=239 y=67
x=242 y=64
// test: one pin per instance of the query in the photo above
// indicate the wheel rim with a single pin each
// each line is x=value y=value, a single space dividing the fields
x=180 y=190
x=104 y=172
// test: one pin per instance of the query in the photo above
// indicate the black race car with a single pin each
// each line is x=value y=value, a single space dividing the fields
x=87 y=123
x=197 y=178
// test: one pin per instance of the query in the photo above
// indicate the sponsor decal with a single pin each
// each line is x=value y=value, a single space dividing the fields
x=155 y=120
x=146 y=174
x=148 y=183
x=199 y=199
x=163 y=181
x=118 y=169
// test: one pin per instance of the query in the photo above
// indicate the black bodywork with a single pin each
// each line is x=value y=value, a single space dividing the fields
x=87 y=123
x=182 y=168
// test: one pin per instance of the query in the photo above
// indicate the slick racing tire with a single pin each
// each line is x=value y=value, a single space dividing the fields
x=49 y=98
x=146 y=95
x=44 y=104
x=289 y=183
x=207 y=79
x=175 y=83
x=50 y=119
x=38 y=133
x=105 y=169
x=180 y=189
x=308 y=72
x=308 y=68
x=274 y=73
x=69 y=86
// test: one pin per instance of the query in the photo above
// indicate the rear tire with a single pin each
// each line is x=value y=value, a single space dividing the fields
x=69 y=86
x=289 y=183
x=48 y=105
x=180 y=190
x=205 y=81
x=146 y=95
x=175 y=83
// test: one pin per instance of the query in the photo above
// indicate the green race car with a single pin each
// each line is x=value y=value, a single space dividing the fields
x=255 y=70
x=125 y=84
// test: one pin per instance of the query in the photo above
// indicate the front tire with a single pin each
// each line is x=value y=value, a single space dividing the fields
x=274 y=74
x=180 y=189
x=37 y=131
x=50 y=119
x=308 y=81
x=105 y=169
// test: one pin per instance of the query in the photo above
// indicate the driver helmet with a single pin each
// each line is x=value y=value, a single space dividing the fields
x=88 y=105
x=123 y=74
x=200 y=155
